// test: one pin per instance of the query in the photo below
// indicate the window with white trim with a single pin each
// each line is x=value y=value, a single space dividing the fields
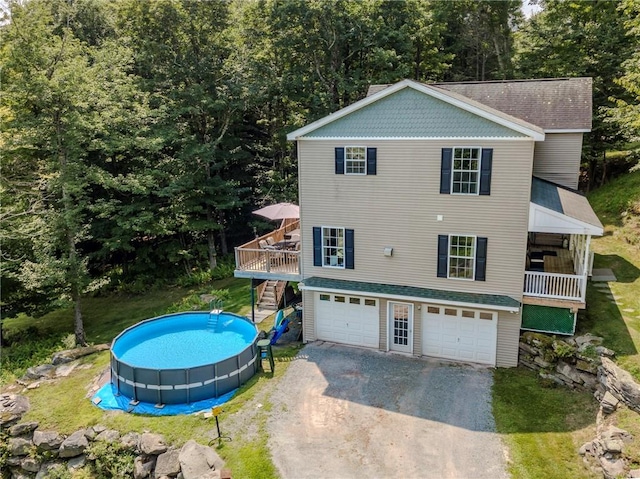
x=462 y=257
x=333 y=247
x=465 y=173
x=355 y=160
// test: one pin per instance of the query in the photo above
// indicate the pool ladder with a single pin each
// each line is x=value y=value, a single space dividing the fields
x=215 y=308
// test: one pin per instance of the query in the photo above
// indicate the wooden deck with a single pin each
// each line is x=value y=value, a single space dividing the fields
x=253 y=261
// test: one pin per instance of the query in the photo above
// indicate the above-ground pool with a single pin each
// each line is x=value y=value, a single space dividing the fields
x=184 y=357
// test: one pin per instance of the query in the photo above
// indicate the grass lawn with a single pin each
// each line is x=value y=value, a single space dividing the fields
x=543 y=428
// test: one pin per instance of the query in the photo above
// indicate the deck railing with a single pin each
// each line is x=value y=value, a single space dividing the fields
x=555 y=286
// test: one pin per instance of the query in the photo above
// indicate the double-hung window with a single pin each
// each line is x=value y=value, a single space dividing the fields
x=462 y=257
x=355 y=160
x=466 y=171
x=333 y=247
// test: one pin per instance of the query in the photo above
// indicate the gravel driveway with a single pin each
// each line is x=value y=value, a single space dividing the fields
x=344 y=412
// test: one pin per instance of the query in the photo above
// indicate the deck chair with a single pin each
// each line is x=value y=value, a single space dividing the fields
x=270 y=240
x=264 y=245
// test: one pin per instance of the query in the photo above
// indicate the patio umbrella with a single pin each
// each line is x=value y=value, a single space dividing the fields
x=279 y=211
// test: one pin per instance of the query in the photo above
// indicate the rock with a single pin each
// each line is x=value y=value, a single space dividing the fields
x=613 y=432
x=13 y=461
x=16 y=474
x=12 y=407
x=19 y=446
x=46 y=371
x=634 y=473
x=152 y=444
x=541 y=362
x=569 y=372
x=609 y=403
x=602 y=351
x=589 y=381
x=77 y=462
x=196 y=460
x=63 y=370
x=34 y=385
x=142 y=468
x=76 y=353
x=98 y=428
x=22 y=428
x=612 y=468
x=109 y=435
x=585 y=448
x=212 y=474
x=621 y=384
x=74 y=445
x=588 y=339
x=553 y=378
x=612 y=445
x=130 y=440
x=168 y=463
x=586 y=366
x=528 y=349
x=47 y=440
x=29 y=464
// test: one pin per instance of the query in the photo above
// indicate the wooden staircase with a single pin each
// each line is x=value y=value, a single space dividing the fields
x=271 y=295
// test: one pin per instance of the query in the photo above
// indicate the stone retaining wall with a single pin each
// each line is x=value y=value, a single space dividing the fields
x=28 y=452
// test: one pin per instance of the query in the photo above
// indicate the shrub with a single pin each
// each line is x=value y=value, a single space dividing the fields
x=111 y=460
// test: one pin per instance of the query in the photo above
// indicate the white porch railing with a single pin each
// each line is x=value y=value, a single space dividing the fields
x=555 y=286
x=268 y=261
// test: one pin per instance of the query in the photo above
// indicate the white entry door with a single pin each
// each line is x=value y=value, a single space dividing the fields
x=401 y=327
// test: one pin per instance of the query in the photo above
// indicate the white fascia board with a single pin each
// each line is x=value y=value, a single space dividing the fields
x=302 y=286
x=567 y=130
x=545 y=220
x=420 y=138
x=532 y=131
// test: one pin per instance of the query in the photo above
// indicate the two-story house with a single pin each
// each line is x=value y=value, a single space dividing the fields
x=442 y=219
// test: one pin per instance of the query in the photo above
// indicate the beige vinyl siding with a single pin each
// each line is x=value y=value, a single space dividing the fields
x=308 y=319
x=508 y=339
x=398 y=208
x=557 y=158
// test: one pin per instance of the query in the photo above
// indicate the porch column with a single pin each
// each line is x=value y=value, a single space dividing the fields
x=585 y=266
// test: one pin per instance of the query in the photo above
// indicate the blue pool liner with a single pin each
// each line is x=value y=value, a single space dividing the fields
x=110 y=401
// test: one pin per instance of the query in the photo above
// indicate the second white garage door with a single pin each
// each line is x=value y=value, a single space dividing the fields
x=347 y=319
x=459 y=334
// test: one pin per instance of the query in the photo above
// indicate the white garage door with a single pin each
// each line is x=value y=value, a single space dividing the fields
x=459 y=334
x=347 y=319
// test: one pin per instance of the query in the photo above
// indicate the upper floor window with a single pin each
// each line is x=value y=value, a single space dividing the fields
x=462 y=254
x=355 y=160
x=466 y=171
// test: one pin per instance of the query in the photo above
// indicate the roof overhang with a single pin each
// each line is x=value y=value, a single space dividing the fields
x=545 y=220
x=453 y=99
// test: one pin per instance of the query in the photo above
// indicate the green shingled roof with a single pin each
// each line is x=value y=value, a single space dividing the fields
x=412 y=114
x=412 y=291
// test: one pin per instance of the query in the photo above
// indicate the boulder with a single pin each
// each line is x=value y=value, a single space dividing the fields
x=47 y=440
x=613 y=432
x=586 y=366
x=30 y=464
x=196 y=460
x=47 y=468
x=76 y=353
x=77 y=462
x=46 y=371
x=108 y=435
x=587 y=339
x=130 y=440
x=74 y=445
x=609 y=403
x=22 y=428
x=168 y=464
x=528 y=349
x=142 y=467
x=634 y=473
x=612 y=468
x=569 y=372
x=19 y=446
x=17 y=474
x=152 y=444
x=613 y=446
x=602 y=351
x=621 y=384
x=12 y=407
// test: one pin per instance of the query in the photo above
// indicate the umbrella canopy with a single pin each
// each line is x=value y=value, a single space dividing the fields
x=279 y=211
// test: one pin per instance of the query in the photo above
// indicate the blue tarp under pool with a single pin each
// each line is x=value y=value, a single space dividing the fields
x=109 y=401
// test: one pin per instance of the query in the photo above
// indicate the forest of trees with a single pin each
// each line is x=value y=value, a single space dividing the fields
x=137 y=136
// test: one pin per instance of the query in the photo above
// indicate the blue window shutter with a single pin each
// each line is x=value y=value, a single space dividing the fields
x=339 y=161
x=443 y=255
x=485 y=171
x=481 y=259
x=348 y=249
x=317 y=246
x=445 y=171
x=372 y=159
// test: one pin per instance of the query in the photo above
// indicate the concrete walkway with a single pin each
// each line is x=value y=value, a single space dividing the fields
x=344 y=413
